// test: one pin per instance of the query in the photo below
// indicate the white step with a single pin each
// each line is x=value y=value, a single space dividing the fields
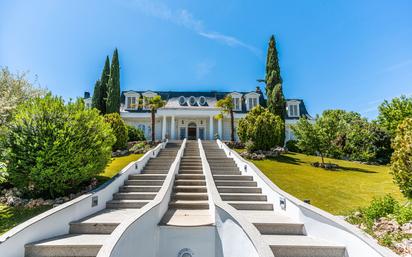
x=144 y=182
x=73 y=245
x=185 y=204
x=134 y=196
x=117 y=204
x=302 y=246
x=245 y=205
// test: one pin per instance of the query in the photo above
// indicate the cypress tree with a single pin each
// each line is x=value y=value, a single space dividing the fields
x=96 y=99
x=113 y=89
x=104 y=80
x=274 y=91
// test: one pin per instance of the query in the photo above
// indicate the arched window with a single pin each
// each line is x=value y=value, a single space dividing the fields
x=192 y=100
x=182 y=100
x=202 y=100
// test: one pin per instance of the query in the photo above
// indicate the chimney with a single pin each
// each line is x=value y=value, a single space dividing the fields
x=258 y=90
x=86 y=95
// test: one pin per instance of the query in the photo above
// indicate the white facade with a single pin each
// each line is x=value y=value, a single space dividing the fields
x=192 y=115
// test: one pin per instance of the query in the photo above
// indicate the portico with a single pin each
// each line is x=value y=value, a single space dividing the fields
x=180 y=124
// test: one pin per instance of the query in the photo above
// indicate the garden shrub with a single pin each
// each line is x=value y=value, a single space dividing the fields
x=140 y=147
x=404 y=214
x=261 y=129
x=119 y=130
x=402 y=158
x=135 y=134
x=381 y=207
x=292 y=146
x=54 y=148
x=3 y=173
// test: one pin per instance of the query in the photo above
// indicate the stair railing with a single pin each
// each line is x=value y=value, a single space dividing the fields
x=56 y=221
x=228 y=222
x=318 y=223
x=139 y=235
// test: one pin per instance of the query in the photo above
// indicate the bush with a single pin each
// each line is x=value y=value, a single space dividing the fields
x=140 y=147
x=53 y=148
x=402 y=158
x=381 y=207
x=292 y=146
x=135 y=134
x=260 y=129
x=404 y=215
x=3 y=173
x=119 y=130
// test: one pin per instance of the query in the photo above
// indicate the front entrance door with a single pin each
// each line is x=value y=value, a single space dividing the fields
x=191 y=131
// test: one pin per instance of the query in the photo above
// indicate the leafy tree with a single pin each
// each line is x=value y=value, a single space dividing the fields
x=261 y=129
x=135 y=134
x=53 y=148
x=104 y=84
x=226 y=106
x=274 y=91
x=402 y=157
x=15 y=89
x=119 y=129
x=350 y=136
x=153 y=104
x=312 y=138
x=392 y=114
x=273 y=77
x=96 y=99
x=113 y=88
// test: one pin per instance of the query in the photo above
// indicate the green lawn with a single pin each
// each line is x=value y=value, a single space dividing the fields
x=338 y=192
x=12 y=216
x=116 y=165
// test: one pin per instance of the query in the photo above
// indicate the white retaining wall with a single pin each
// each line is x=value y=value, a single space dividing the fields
x=139 y=236
x=56 y=221
x=318 y=223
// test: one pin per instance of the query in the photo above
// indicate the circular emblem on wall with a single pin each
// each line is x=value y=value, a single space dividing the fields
x=185 y=252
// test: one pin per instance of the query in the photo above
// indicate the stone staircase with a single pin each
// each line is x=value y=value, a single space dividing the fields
x=86 y=236
x=285 y=236
x=189 y=203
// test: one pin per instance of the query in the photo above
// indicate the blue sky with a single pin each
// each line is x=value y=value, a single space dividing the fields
x=333 y=54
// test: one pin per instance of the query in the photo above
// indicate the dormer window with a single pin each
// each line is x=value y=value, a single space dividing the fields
x=237 y=101
x=293 y=110
x=251 y=99
x=202 y=100
x=192 y=100
x=252 y=102
x=182 y=100
x=146 y=97
x=132 y=100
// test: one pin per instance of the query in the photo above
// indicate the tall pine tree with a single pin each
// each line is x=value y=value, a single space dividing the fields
x=104 y=80
x=275 y=98
x=96 y=99
x=113 y=89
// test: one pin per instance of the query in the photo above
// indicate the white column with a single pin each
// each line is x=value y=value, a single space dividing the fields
x=211 y=127
x=172 y=129
x=219 y=128
x=164 y=127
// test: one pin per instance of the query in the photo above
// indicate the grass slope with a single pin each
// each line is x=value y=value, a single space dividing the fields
x=353 y=185
x=12 y=216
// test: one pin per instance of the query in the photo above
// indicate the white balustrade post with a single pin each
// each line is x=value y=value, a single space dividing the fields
x=211 y=127
x=219 y=128
x=164 y=127
x=172 y=130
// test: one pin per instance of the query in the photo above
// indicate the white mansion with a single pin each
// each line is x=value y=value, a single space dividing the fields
x=192 y=114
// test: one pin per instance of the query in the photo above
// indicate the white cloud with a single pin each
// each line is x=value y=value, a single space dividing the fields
x=398 y=66
x=184 y=18
x=203 y=68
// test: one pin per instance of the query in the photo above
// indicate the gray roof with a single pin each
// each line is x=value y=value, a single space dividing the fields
x=172 y=100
